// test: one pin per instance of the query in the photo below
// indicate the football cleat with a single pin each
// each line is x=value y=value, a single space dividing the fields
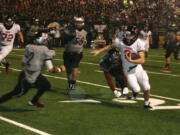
x=148 y=107
x=117 y=93
x=71 y=87
x=37 y=104
x=125 y=91
x=7 y=67
x=166 y=68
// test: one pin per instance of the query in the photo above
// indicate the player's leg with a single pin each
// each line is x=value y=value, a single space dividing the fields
x=176 y=52
x=20 y=89
x=167 y=56
x=67 y=63
x=42 y=84
x=75 y=65
x=5 y=50
x=133 y=83
x=146 y=49
x=144 y=82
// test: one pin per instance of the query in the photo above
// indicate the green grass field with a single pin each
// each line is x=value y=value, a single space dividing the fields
x=104 y=118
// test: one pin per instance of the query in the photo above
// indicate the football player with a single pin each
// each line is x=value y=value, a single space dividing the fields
x=147 y=37
x=73 y=53
x=8 y=30
x=172 y=45
x=132 y=68
x=36 y=56
x=111 y=64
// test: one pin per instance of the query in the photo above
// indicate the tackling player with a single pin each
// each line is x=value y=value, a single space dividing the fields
x=111 y=64
x=36 y=55
x=132 y=68
x=8 y=30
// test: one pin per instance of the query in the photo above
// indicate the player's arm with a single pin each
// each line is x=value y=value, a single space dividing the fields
x=53 y=69
x=140 y=60
x=96 y=52
x=21 y=36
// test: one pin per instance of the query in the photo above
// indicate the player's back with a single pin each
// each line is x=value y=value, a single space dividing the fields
x=36 y=55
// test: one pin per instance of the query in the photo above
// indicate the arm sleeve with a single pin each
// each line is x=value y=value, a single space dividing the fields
x=49 y=54
x=49 y=64
x=141 y=46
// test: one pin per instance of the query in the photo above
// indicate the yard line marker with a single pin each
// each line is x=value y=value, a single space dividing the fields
x=96 y=63
x=150 y=73
x=81 y=101
x=98 y=85
x=165 y=107
x=23 y=126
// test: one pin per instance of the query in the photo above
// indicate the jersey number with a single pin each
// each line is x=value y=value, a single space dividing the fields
x=7 y=37
x=30 y=57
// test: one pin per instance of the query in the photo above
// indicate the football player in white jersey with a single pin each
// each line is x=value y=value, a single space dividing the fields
x=147 y=37
x=8 y=30
x=133 y=69
x=36 y=56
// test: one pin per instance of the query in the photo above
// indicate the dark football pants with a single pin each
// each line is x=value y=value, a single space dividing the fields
x=71 y=60
x=42 y=84
x=120 y=78
x=172 y=49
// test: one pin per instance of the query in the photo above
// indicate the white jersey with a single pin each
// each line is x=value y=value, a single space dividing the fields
x=136 y=47
x=146 y=35
x=7 y=36
x=134 y=72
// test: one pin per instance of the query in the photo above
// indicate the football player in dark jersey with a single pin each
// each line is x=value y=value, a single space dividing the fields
x=111 y=64
x=172 y=45
x=76 y=36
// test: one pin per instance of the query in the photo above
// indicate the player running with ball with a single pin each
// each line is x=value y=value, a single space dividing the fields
x=133 y=69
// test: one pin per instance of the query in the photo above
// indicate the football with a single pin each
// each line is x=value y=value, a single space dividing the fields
x=134 y=56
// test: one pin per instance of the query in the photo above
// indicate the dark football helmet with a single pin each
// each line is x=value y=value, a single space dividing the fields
x=8 y=22
x=79 y=22
x=39 y=39
x=131 y=35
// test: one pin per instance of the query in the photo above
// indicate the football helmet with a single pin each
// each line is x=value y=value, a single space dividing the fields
x=39 y=39
x=130 y=35
x=8 y=22
x=79 y=22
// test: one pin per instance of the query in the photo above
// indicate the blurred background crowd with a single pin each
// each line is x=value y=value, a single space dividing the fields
x=157 y=15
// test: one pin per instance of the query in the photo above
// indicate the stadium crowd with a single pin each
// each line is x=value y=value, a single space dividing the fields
x=152 y=13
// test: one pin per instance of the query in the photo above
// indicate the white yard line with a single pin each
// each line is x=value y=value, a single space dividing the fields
x=23 y=126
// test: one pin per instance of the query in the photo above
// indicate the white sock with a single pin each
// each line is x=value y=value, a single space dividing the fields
x=146 y=103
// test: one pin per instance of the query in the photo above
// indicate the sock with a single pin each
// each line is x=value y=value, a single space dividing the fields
x=146 y=103
x=109 y=80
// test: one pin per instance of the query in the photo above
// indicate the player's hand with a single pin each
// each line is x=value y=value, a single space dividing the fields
x=128 y=57
x=94 y=52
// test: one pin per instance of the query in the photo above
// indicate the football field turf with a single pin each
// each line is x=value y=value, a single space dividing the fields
x=90 y=109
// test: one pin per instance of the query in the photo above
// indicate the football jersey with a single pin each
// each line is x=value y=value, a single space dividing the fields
x=137 y=46
x=35 y=56
x=77 y=43
x=146 y=35
x=7 y=36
